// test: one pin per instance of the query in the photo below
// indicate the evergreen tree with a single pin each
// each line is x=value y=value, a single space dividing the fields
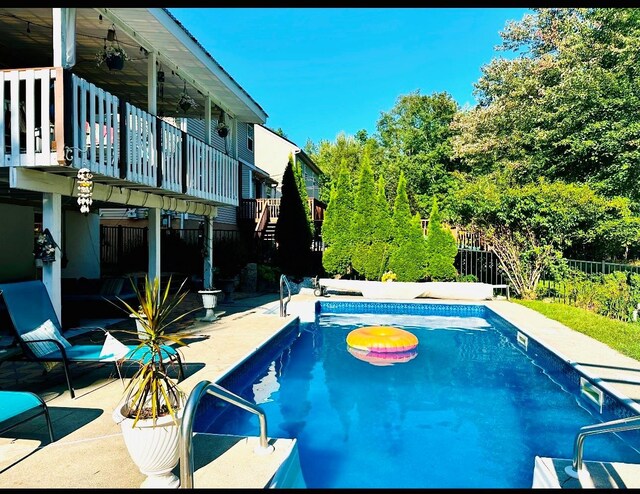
x=293 y=236
x=408 y=254
x=363 y=226
x=378 y=255
x=441 y=248
x=302 y=189
x=336 y=227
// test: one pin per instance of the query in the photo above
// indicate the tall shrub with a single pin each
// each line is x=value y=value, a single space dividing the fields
x=302 y=189
x=336 y=227
x=408 y=255
x=441 y=248
x=293 y=236
x=362 y=225
x=381 y=236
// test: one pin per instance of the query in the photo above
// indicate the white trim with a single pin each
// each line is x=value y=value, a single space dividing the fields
x=37 y=181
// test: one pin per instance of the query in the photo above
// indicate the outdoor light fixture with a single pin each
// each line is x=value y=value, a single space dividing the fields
x=85 y=189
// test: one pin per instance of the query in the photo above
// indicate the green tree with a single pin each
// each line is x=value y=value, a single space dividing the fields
x=292 y=234
x=381 y=236
x=408 y=254
x=336 y=227
x=566 y=107
x=441 y=249
x=364 y=206
x=302 y=190
x=415 y=138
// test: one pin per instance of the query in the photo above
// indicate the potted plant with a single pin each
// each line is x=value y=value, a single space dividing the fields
x=222 y=128
x=151 y=408
x=113 y=55
x=186 y=102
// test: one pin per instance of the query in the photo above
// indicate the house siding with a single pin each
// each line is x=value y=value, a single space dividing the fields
x=226 y=215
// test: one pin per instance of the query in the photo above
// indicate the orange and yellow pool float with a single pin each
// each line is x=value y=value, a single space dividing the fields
x=382 y=339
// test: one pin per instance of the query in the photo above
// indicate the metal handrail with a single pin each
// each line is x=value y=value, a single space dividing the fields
x=619 y=425
x=186 y=427
x=283 y=304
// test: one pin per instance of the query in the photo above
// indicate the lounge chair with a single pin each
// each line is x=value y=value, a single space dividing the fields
x=20 y=406
x=38 y=330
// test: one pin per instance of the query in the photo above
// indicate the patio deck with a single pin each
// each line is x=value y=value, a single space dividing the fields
x=89 y=452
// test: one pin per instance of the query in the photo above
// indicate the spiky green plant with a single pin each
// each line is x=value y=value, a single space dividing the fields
x=152 y=393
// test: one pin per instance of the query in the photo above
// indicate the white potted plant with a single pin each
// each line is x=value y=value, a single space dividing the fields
x=151 y=409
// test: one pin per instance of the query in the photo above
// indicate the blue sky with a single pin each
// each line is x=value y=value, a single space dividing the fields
x=317 y=72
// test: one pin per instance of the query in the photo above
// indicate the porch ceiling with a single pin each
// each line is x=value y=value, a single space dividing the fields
x=26 y=41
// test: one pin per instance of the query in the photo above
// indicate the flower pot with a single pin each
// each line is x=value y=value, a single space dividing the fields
x=223 y=132
x=115 y=62
x=153 y=448
x=209 y=301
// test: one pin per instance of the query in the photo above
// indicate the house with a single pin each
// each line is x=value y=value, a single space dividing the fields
x=134 y=134
x=272 y=152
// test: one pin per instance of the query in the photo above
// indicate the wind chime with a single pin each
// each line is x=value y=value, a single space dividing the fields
x=85 y=190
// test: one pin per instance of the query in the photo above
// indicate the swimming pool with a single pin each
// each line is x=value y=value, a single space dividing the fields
x=471 y=410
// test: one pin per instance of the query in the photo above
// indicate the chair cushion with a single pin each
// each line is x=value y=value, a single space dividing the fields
x=17 y=402
x=46 y=331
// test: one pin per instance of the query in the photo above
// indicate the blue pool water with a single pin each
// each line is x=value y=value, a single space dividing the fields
x=471 y=410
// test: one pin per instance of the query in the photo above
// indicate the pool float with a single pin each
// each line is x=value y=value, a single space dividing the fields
x=383 y=358
x=381 y=339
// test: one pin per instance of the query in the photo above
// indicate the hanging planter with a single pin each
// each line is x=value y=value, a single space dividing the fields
x=222 y=128
x=113 y=55
x=186 y=102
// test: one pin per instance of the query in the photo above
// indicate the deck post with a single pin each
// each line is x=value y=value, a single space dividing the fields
x=207 y=276
x=52 y=271
x=154 y=243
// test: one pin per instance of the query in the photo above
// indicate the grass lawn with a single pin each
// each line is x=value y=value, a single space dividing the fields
x=621 y=336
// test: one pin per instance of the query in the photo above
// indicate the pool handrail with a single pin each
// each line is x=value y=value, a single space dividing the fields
x=186 y=426
x=618 y=425
x=283 y=305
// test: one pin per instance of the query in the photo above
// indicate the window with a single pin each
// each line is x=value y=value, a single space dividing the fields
x=250 y=137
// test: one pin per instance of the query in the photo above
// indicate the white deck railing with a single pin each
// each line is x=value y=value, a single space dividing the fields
x=211 y=174
x=27 y=119
x=111 y=138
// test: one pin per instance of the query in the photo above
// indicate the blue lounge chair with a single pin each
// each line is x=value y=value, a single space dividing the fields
x=38 y=330
x=17 y=407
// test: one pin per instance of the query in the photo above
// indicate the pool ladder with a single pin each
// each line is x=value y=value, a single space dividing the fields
x=283 y=305
x=619 y=425
x=186 y=427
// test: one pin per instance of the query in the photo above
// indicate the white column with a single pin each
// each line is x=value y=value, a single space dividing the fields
x=154 y=243
x=207 y=119
x=52 y=271
x=152 y=83
x=64 y=37
x=207 y=276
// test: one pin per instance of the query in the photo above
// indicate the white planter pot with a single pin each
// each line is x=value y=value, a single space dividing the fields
x=153 y=448
x=209 y=302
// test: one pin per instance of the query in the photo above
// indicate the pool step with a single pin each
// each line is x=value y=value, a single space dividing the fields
x=549 y=473
x=229 y=461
